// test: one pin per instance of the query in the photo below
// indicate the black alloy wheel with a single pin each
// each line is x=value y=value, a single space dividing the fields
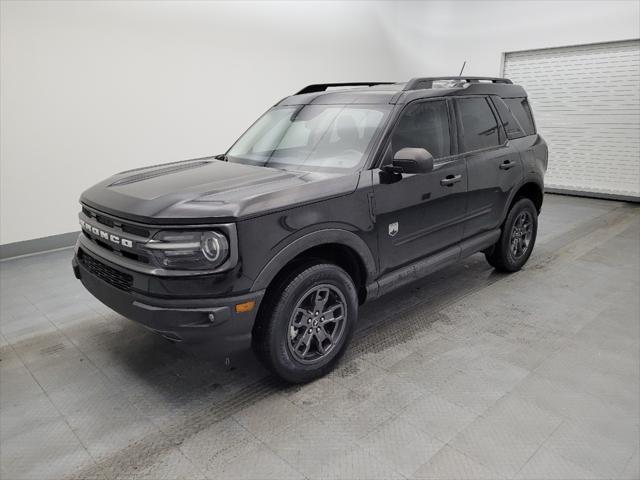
x=521 y=234
x=317 y=323
x=517 y=238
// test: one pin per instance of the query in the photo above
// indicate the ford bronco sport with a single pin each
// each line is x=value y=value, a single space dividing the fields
x=335 y=196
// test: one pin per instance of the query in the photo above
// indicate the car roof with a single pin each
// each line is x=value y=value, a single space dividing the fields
x=367 y=93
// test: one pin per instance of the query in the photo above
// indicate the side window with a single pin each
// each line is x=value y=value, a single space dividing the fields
x=479 y=124
x=511 y=126
x=424 y=125
x=522 y=112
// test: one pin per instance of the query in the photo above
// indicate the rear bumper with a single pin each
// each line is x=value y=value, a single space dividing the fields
x=212 y=320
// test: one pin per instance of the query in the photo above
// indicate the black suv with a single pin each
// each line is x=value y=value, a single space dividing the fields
x=335 y=196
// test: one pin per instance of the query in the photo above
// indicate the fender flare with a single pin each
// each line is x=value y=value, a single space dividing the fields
x=529 y=179
x=314 y=239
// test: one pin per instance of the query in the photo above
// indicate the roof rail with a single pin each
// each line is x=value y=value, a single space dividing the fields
x=321 y=87
x=427 y=82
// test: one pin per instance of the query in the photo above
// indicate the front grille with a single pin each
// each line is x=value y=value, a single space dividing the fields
x=141 y=232
x=120 y=229
x=138 y=257
x=112 y=222
x=120 y=280
x=105 y=221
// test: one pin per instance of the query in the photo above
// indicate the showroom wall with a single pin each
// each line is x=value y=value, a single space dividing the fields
x=92 y=88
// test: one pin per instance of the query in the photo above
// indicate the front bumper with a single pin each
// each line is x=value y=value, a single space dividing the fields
x=212 y=320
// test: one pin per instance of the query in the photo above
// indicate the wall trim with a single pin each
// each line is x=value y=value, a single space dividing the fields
x=580 y=193
x=38 y=245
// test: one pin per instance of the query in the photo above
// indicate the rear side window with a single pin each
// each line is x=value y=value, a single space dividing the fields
x=424 y=125
x=511 y=126
x=522 y=112
x=479 y=124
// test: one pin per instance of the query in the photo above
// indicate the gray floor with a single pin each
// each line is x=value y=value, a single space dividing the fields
x=466 y=374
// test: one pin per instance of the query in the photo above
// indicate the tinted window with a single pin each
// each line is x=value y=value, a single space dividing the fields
x=511 y=125
x=424 y=125
x=522 y=112
x=479 y=125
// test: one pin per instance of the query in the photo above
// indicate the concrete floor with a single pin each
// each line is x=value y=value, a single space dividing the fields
x=466 y=374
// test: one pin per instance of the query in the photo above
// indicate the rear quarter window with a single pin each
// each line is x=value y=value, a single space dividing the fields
x=511 y=126
x=521 y=110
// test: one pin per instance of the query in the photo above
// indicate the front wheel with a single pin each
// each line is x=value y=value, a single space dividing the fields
x=307 y=322
x=514 y=247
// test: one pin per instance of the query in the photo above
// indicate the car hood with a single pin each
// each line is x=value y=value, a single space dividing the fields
x=210 y=190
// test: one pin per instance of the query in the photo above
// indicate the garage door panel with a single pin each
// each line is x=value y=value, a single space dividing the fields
x=580 y=70
x=569 y=118
x=586 y=101
x=580 y=90
x=622 y=63
x=576 y=53
x=580 y=85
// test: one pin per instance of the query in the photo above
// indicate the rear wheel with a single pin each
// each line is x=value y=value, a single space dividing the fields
x=307 y=322
x=514 y=247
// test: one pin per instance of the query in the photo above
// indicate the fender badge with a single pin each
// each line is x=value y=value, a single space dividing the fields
x=393 y=229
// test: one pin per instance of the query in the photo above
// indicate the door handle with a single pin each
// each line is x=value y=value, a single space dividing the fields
x=449 y=180
x=507 y=164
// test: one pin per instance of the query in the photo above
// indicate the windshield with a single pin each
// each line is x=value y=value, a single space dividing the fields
x=310 y=137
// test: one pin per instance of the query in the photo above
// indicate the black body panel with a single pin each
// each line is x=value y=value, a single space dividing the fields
x=209 y=191
x=177 y=319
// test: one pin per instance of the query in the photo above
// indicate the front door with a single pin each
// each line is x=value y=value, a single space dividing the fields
x=421 y=214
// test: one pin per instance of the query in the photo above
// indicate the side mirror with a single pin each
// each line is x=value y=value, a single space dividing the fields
x=413 y=160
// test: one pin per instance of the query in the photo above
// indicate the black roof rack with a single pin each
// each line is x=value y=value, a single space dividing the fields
x=427 y=82
x=321 y=87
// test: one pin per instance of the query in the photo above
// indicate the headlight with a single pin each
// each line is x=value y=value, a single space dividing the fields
x=188 y=250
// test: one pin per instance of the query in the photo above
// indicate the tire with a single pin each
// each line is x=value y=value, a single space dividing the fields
x=297 y=336
x=504 y=255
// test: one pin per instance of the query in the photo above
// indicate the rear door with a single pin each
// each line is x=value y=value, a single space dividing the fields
x=494 y=166
x=421 y=214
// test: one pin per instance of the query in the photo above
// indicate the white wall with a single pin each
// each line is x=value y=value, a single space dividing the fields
x=435 y=37
x=92 y=88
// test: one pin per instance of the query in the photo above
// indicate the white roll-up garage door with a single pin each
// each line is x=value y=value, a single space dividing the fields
x=586 y=103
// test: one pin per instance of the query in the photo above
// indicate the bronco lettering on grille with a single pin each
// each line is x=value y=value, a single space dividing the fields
x=118 y=240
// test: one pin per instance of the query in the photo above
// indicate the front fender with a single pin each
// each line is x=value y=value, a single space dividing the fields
x=314 y=239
